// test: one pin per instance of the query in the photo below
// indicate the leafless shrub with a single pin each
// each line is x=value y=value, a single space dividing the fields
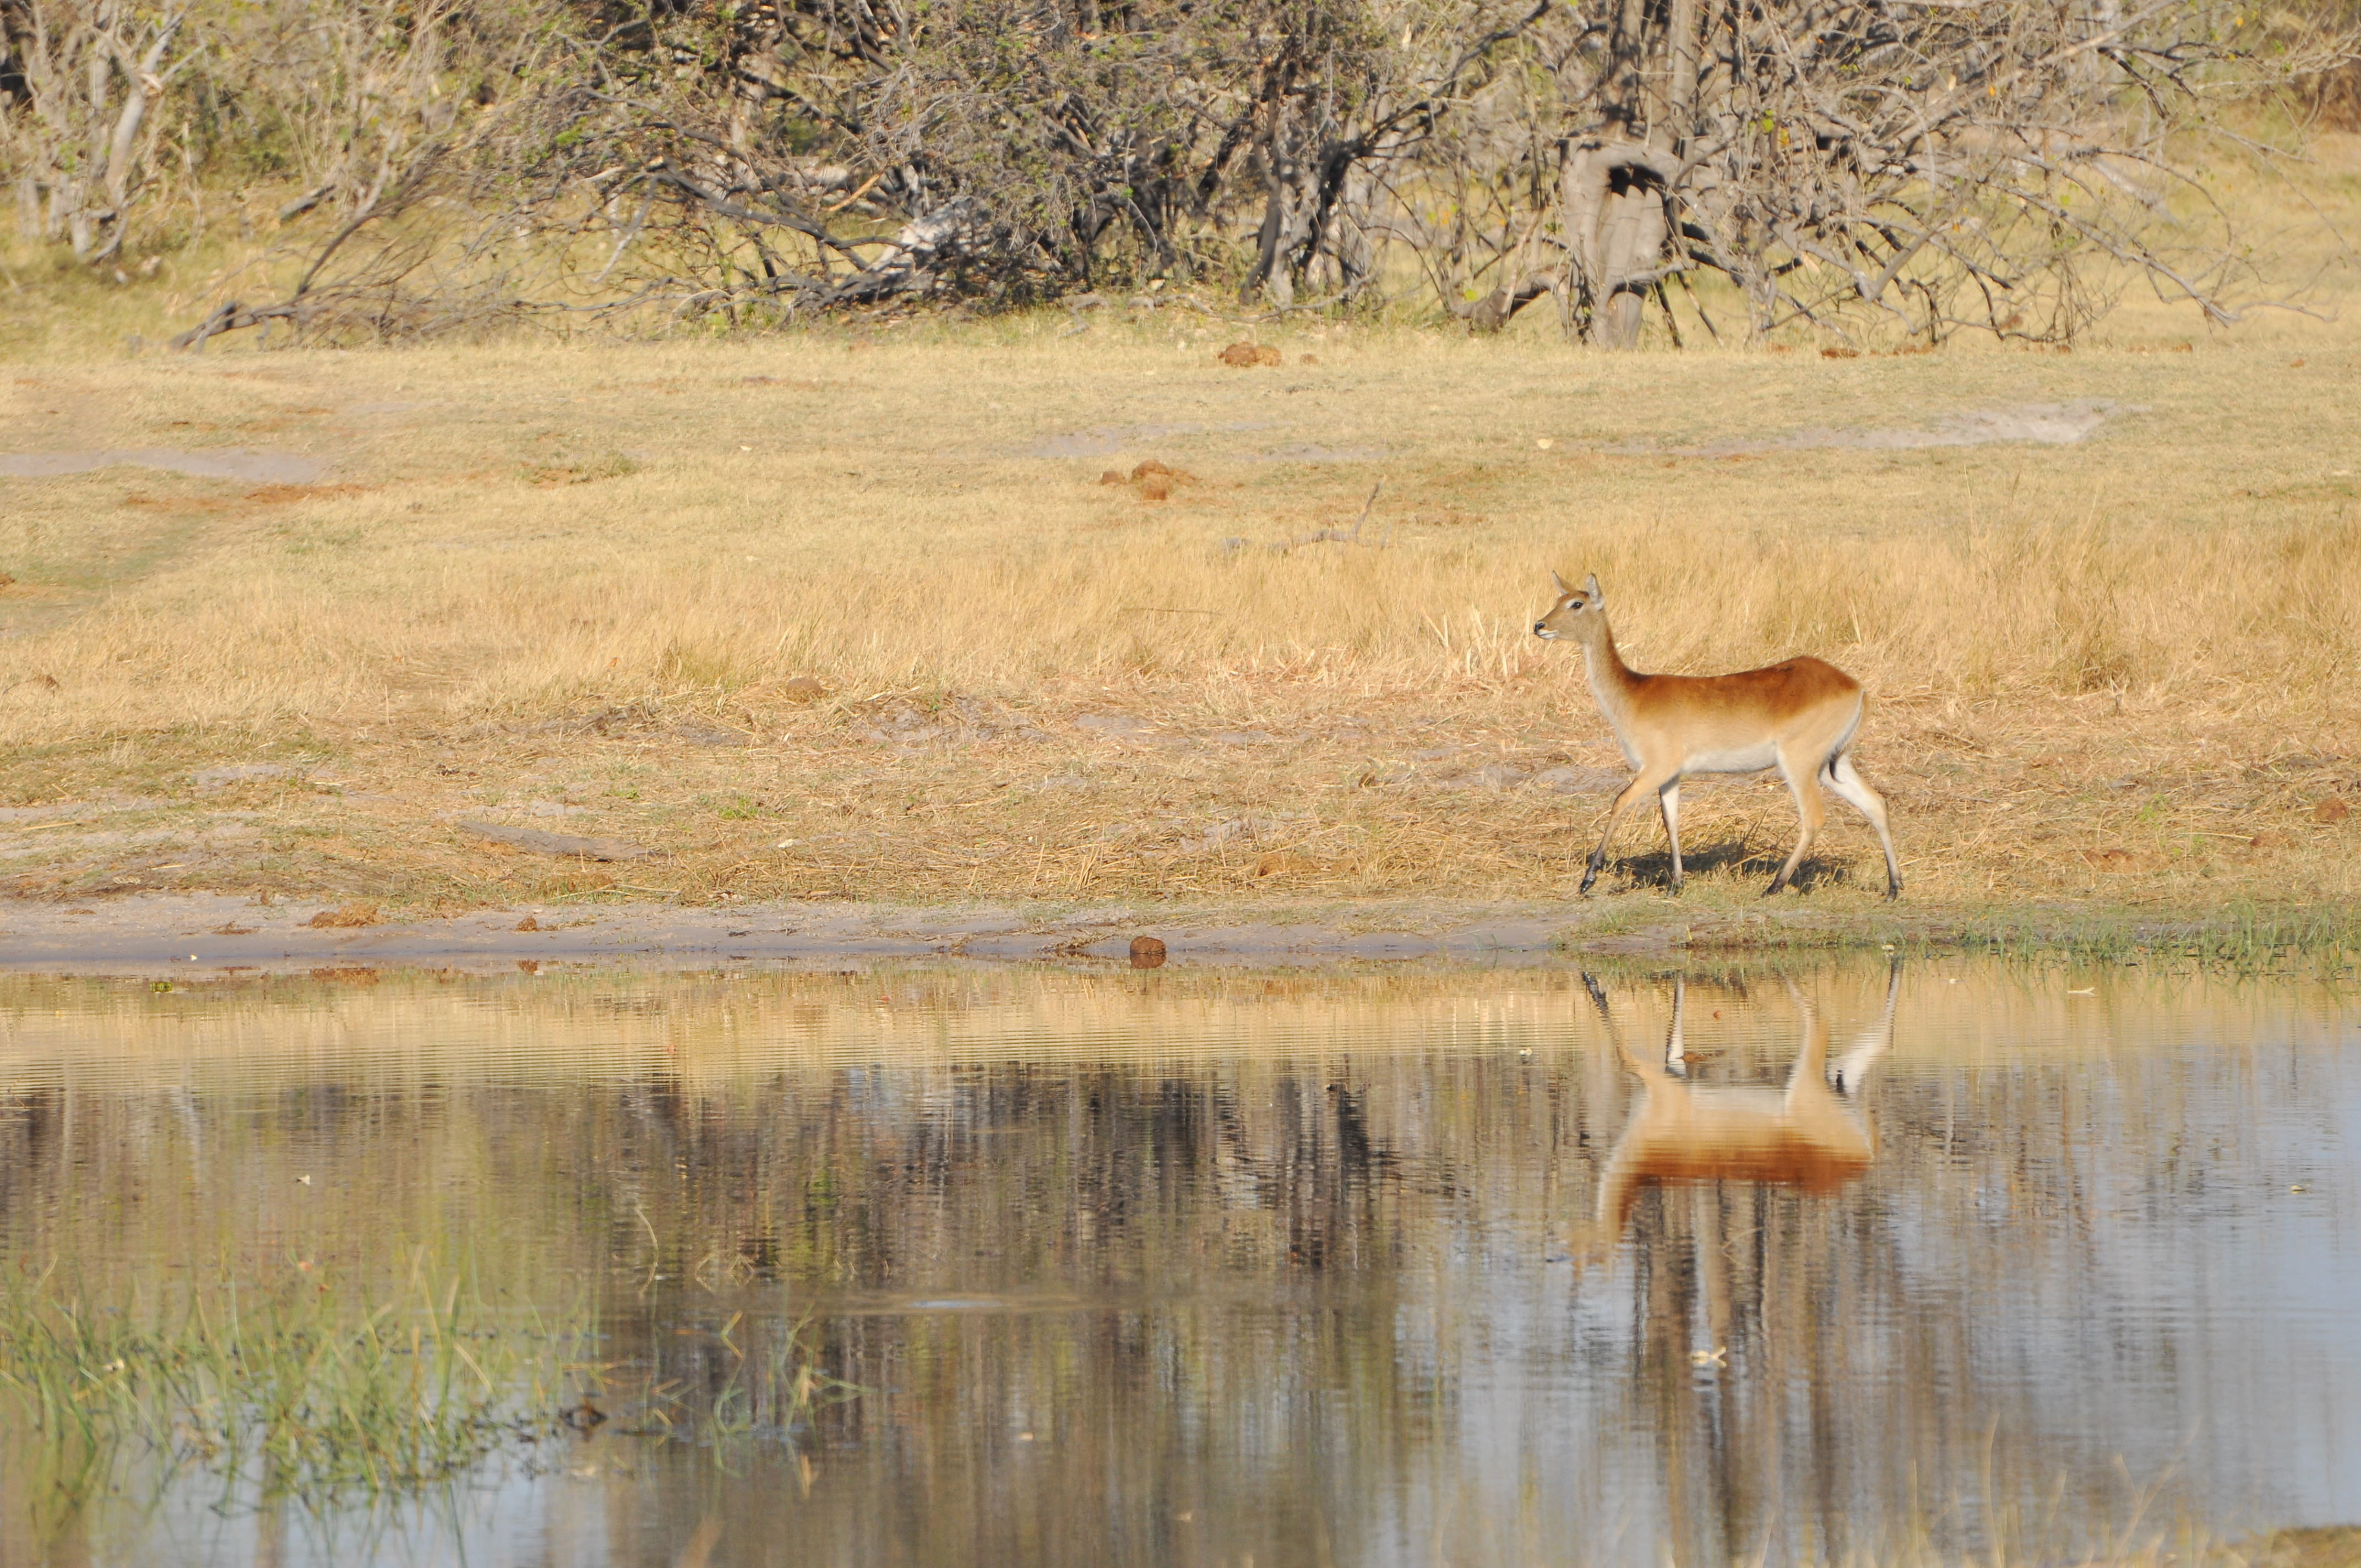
x=79 y=82
x=1862 y=166
x=2325 y=81
x=355 y=91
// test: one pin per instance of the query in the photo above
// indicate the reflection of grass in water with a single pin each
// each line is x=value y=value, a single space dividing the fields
x=295 y=1388
x=768 y=1396
x=332 y=1397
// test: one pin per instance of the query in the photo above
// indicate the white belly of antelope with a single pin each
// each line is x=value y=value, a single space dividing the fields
x=1737 y=759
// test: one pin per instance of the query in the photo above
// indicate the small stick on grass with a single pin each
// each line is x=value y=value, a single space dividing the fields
x=1342 y=535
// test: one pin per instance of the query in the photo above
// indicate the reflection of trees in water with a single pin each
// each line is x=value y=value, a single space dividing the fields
x=1299 y=1300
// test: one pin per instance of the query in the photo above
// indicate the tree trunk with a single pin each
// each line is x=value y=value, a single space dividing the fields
x=1681 y=94
x=1615 y=227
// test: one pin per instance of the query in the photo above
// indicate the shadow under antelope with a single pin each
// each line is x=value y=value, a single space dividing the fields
x=1799 y=716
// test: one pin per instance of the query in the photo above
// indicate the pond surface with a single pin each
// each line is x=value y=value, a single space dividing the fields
x=943 y=1265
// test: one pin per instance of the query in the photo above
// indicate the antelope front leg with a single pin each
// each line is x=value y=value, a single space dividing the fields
x=1646 y=783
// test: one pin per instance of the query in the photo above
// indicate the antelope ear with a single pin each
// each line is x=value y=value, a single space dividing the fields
x=1591 y=590
x=1561 y=588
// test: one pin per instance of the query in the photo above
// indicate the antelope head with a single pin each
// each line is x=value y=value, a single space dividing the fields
x=1579 y=613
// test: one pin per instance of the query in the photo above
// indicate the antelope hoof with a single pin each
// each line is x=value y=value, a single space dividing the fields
x=1778 y=884
x=1893 y=889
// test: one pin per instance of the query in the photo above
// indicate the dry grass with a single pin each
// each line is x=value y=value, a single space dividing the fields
x=588 y=590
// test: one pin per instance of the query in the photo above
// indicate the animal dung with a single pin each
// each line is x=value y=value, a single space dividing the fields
x=1147 y=952
x=1246 y=356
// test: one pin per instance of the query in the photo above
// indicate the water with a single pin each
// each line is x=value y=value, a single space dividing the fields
x=1356 y=1267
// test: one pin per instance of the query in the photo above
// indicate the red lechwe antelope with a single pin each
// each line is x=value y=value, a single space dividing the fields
x=1799 y=716
x=1810 y=1134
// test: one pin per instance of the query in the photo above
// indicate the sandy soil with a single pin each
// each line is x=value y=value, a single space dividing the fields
x=211 y=935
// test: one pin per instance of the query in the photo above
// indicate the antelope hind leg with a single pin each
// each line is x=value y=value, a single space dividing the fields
x=1669 y=797
x=1811 y=810
x=1847 y=784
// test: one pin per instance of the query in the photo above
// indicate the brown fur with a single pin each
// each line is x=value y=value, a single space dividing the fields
x=1799 y=716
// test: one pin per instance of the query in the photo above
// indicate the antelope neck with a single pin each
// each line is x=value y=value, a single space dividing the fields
x=1611 y=682
x=1606 y=667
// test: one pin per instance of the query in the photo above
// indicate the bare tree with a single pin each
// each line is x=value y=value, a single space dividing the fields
x=85 y=77
x=1929 y=164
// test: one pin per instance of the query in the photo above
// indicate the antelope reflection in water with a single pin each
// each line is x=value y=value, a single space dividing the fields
x=1749 y=1281
x=1810 y=1135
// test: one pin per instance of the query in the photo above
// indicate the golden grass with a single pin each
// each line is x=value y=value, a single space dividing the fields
x=601 y=579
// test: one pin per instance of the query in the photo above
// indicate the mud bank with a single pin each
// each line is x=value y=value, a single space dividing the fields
x=199 y=934
x=205 y=935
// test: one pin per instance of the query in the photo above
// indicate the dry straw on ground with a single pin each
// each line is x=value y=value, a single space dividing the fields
x=850 y=614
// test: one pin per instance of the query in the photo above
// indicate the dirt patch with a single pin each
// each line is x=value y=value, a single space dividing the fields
x=1311 y=452
x=1152 y=480
x=241 y=772
x=140 y=500
x=283 y=495
x=1248 y=356
x=2043 y=425
x=542 y=843
x=277 y=467
x=613 y=466
x=1107 y=440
